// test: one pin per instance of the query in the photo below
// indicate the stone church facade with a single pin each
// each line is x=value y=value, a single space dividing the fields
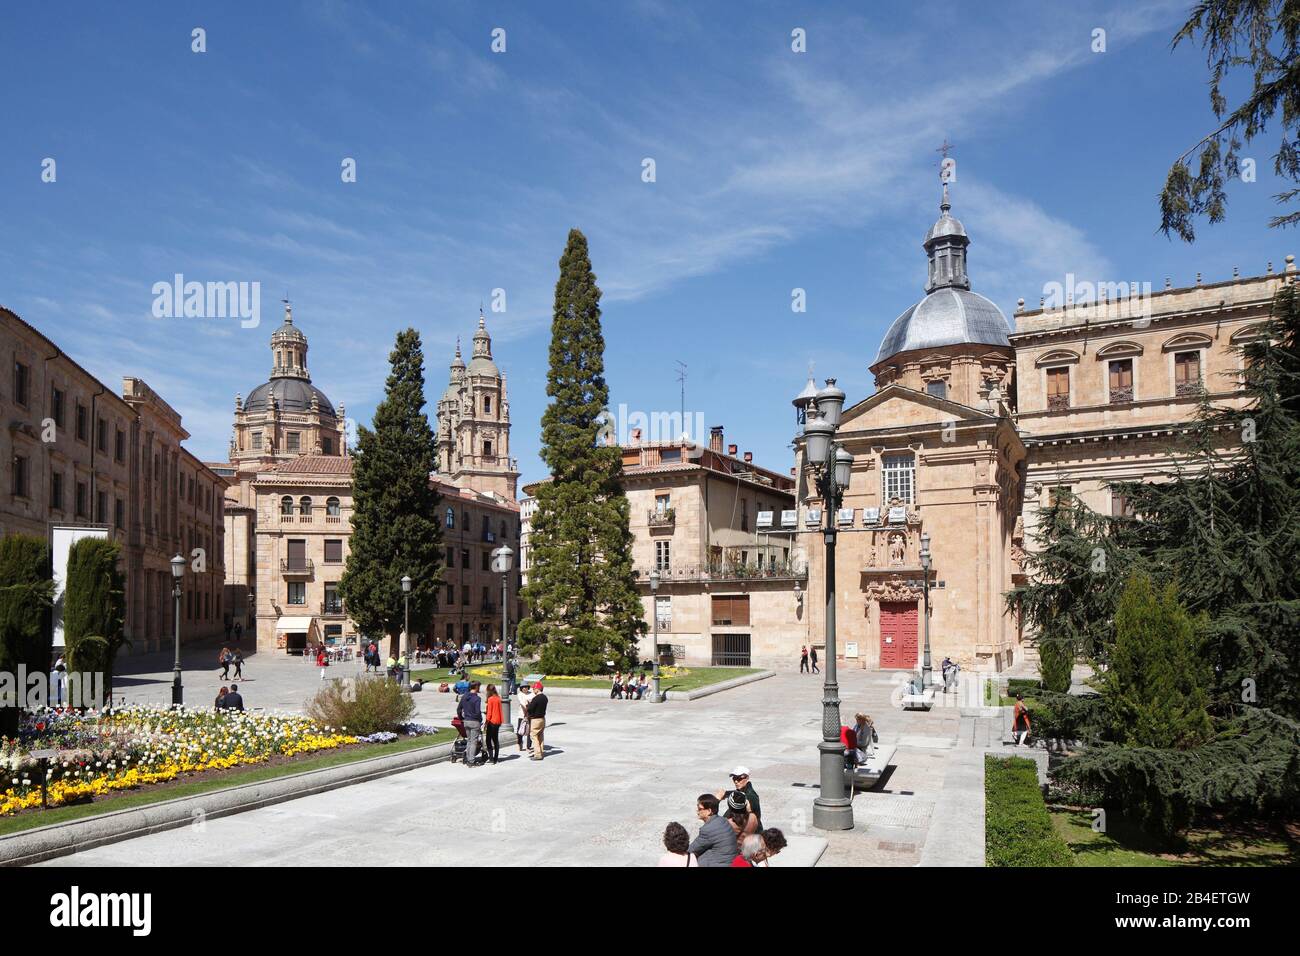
x=975 y=424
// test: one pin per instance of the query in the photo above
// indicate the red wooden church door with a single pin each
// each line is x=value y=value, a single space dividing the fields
x=898 y=635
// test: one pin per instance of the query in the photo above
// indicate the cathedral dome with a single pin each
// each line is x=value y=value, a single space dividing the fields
x=946 y=316
x=291 y=395
x=481 y=363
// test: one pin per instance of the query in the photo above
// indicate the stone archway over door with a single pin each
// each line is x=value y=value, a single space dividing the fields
x=898 y=623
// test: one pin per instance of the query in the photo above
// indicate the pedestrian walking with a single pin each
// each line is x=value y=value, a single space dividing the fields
x=470 y=711
x=239 y=630
x=1020 y=720
x=803 y=659
x=225 y=659
x=239 y=664
x=677 y=843
x=537 y=721
x=812 y=657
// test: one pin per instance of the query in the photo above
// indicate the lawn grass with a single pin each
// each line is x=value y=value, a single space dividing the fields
x=696 y=678
x=156 y=793
x=1264 y=844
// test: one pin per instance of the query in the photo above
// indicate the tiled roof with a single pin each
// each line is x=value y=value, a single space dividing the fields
x=314 y=465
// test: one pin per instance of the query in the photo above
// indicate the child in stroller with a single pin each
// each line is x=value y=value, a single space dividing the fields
x=461 y=743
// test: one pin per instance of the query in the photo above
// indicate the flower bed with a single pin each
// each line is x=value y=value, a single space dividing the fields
x=132 y=747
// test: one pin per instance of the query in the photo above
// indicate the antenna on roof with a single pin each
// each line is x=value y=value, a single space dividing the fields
x=681 y=377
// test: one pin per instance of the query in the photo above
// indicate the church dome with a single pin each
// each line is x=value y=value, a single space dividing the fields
x=950 y=313
x=291 y=395
x=947 y=316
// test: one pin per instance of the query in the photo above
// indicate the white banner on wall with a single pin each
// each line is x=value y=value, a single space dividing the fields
x=62 y=538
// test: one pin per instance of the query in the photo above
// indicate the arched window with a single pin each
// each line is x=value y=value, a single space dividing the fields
x=286 y=505
x=304 y=505
x=451 y=518
x=332 y=506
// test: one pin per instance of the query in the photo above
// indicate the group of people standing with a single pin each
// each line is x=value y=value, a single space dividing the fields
x=475 y=714
x=731 y=830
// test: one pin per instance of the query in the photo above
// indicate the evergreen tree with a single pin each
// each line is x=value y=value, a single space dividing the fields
x=395 y=526
x=582 y=593
x=94 y=608
x=1157 y=679
x=26 y=592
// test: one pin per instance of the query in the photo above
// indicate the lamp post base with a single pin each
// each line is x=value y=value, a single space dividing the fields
x=178 y=693
x=833 y=809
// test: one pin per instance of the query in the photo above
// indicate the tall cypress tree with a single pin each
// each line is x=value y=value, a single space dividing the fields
x=395 y=527
x=94 y=609
x=26 y=592
x=582 y=594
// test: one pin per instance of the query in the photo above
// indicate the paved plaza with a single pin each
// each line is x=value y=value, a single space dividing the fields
x=616 y=773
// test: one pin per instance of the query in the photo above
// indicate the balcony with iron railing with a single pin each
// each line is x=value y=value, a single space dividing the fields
x=726 y=571
x=1058 y=403
x=1122 y=395
x=297 y=566
x=332 y=609
x=1189 y=389
x=661 y=517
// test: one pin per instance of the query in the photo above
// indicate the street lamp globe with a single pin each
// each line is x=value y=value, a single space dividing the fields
x=406 y=583
x=503 y=559
x=817 y=434
x=843 y=466
x=654 y=579
x=178 y=567
x=830 y=402
x=925 y=550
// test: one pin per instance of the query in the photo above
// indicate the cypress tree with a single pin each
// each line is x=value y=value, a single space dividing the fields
x=395 y=527
x=94 y=609
x=26 y=593
x=582 y=594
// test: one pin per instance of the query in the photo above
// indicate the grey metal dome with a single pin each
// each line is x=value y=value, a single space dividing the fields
x=947 y=316
x=291 y=395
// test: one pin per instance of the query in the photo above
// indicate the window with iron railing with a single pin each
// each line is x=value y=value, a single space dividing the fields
x=1187 y=374
x=1121 y=381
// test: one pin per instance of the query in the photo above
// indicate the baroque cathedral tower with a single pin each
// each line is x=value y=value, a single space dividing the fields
x=474 y=424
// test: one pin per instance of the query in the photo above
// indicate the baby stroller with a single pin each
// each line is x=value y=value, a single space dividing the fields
x=461 y=744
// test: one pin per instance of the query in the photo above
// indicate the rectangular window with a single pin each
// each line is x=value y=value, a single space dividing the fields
x=1121 y=381
x=119 y=445
x=731 y=610
x=664 y=611
x=464 y=595
x=1120 y=507
x=744 y=514
x=464 y=557
x=297 y=592
x=56 y=491
x=333 y=604
x=326 y=445
x=297 y=550
x=451 y=557
x=938 y=388
x=83 y=423
x=451 y=631
x=101 y=507
x=82 y=499
x=22 y=383
x=1187 y=373
x=1058 y=389
x=487 y=405
x=486 y=555
x=257 y=442
x=20 y=483
x=451 y=594
x=663 y=555
x=898 y=476
x=663 y=503
x=119 y=514
x=101 y=435
x=670 y=454
x=333 y=550
x=293 y=441
x=56 y=406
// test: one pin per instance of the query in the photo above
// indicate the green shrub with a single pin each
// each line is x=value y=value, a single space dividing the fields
x=26 y=589
x=94 y=609
x=1067 y=716
x=1017 y=827
x=1023 y=685
x=1055 y=663
x=365 y=705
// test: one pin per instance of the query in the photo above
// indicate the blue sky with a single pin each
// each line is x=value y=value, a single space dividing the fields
x=775 y=170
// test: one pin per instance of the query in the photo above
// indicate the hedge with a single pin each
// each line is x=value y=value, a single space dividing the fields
x=1017 y=827
x=1024 y=685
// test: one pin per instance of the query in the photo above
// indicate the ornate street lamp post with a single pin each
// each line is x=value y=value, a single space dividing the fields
x=503 y=559
x=406 y=634
x=178 y=691
x=925 y=587
x=654 y=648
x=832 y=468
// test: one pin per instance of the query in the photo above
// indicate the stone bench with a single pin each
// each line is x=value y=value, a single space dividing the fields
x=923 y=701
x=867 y=775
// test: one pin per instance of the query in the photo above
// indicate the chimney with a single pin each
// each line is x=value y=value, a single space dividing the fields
x=715 y=439
x=792 y=473
x=749 y=457
x=731 y=449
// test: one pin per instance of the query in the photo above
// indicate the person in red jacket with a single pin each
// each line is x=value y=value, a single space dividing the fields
x=492 y=724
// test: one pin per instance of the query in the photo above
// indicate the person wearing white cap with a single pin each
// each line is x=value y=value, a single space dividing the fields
x=740 y=781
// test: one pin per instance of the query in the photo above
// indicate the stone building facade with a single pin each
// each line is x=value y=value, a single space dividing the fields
x=474 y=523
x=79 y=454
x=973 y=426
x=731 y=577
